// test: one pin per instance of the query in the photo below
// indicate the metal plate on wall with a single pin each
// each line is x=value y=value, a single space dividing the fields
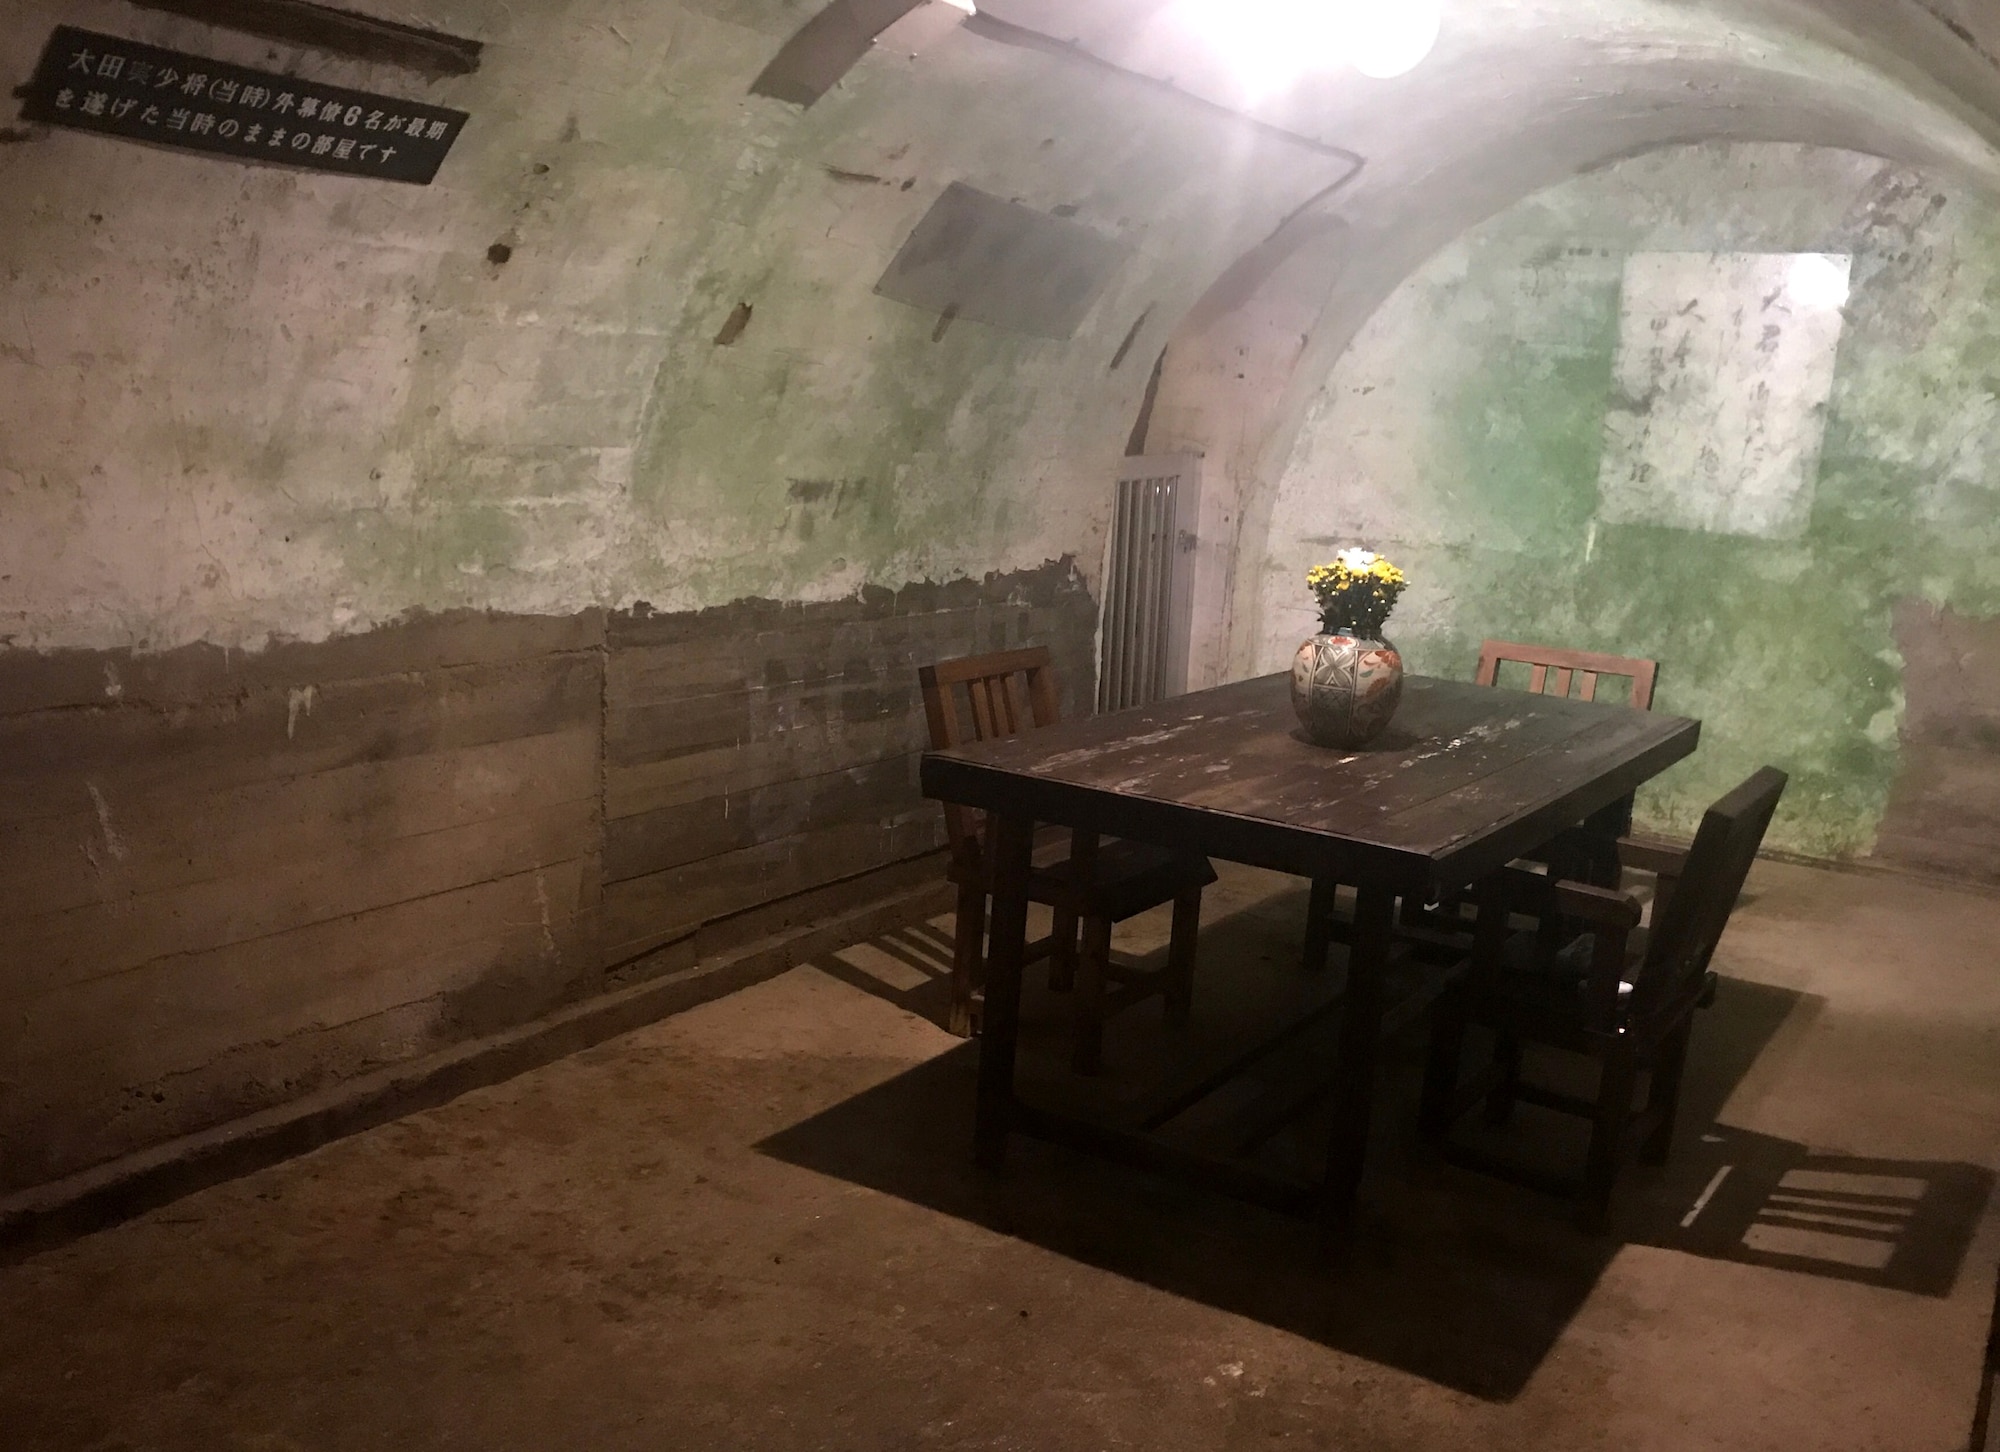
x=119 y=87
x=993 y=261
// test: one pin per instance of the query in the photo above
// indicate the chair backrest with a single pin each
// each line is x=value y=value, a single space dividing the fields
x=1005 y=693
x=1553 y=671
x=1717 y=866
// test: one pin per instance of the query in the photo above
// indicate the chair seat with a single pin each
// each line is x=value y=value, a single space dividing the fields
x=1535 y=986
x=1125 y=879
x=1550 y=983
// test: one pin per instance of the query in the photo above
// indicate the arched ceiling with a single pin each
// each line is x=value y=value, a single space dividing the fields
x=1502 y=61
x=1522 y=93
x=1518 y=95
x=581 y=426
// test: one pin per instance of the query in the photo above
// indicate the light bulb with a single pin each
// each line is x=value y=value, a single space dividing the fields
x=1269 y=44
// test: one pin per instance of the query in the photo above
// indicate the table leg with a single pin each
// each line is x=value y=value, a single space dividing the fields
x=1013 y=858
x=1360 y=1039
x=1450 y=1017
x=1319 y=923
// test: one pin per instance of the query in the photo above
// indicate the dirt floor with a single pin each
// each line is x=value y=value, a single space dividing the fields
x=756 y=1226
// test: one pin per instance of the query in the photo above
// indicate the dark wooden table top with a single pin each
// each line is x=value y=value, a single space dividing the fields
x=1466 y=779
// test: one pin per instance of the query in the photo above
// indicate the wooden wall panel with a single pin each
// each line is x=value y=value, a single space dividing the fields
x=201 y=674
x=173 y=838
x=768 y=750
x=85 y=944
x=53 y=762
x=227 y=880
x=202 y=853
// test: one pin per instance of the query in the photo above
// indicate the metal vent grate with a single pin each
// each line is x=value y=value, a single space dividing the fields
x=1147 y=585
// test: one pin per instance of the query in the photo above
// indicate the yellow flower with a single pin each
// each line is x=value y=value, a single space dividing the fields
x=1358 y=582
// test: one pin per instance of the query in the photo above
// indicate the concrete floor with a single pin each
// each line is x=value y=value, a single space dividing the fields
x=754 y=1226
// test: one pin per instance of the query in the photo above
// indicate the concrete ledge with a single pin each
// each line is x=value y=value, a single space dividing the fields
x=35 y=1219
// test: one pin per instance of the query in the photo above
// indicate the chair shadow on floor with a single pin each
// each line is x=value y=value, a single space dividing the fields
x=908 y=966
x=1454 y=1277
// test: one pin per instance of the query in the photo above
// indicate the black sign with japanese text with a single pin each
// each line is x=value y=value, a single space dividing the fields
x=119 y=87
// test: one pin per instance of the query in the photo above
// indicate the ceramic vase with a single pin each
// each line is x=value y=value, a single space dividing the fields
x=1346 y=685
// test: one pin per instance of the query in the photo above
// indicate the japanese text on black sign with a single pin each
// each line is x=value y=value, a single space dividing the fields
x=101 y=83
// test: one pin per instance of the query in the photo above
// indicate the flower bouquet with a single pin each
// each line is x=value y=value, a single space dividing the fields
x=1348 y=680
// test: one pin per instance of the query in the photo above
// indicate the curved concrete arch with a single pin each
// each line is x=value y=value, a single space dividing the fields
x=1388 y=252
x=535 y=403
x=1532 y=95
x=1617 y=415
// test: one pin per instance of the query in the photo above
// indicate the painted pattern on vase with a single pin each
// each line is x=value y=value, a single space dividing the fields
x=1346 y=687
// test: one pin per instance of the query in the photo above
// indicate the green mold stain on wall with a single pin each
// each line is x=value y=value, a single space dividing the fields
x=1465 y=432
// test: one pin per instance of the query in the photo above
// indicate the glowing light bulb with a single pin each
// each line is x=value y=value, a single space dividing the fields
x=1389 y=38
x=1269 y=44
x=1820 y=280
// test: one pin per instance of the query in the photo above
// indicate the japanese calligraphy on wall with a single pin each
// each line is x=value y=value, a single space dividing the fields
x=1726 y=361
x=121 y=88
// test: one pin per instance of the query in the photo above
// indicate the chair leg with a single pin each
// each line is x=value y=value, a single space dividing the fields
x=1093 y=969
x=1062 y=952
x=1180 y=957
x=1500 y=1101
x=1663 y=1096
x=1441 y=1067
x=968 y=952
x=1607 y=1141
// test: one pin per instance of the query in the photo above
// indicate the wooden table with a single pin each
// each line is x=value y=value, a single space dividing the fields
x=1466 y=779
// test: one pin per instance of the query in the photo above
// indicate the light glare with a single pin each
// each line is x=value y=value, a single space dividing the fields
x=1269 y=44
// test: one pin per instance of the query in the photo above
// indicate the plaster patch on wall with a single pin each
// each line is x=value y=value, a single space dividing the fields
x=1725 y=364
x=998 y=262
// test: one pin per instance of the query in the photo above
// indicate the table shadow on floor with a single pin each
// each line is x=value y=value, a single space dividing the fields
x=1452 y=1276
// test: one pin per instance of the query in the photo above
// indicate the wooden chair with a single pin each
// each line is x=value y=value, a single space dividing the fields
x=1553 y=671
x=1584 y=854
x=1097 y=885
x=1621 y=997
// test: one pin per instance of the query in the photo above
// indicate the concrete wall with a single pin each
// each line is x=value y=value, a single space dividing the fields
x=238 y=402
x=278 y=808
x=1465 y=433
